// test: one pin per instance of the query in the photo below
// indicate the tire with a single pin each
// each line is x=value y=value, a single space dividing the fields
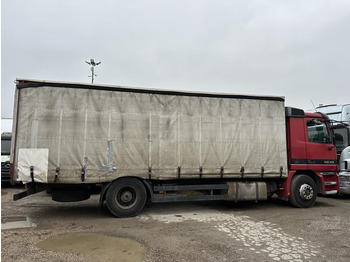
x=126 y=197
x=303 y=191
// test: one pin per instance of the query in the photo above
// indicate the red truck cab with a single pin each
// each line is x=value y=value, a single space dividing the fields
x=312 y=158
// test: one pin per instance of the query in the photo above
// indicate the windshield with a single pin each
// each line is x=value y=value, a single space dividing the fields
x=341 y=137
x=318 y=132
x=5 y=147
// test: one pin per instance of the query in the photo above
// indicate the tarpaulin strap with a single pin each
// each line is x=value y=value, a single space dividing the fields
x=281 y=171
x=150 y=173
x=242 y=171
x=57 y=173
x=83 y=174
x=32 y=173
x=83 y=170
x=222 y=172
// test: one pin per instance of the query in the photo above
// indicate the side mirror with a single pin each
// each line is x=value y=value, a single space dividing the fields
x=331 y=147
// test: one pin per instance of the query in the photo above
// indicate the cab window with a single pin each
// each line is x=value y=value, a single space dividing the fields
x=317 y=132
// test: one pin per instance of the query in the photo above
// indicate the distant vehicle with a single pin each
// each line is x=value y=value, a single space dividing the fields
x=340 y=114
x=344 y=173
x=342 y=137
x=5 y=157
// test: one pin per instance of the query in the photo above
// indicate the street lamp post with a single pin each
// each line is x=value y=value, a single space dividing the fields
x=93 y=64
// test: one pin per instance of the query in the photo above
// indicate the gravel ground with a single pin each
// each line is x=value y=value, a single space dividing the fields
x=210 y=231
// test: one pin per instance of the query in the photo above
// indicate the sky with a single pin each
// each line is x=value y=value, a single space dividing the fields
x=293 y=48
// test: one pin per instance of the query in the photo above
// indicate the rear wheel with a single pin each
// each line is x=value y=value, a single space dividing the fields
x=303 y=191
x=126 y=197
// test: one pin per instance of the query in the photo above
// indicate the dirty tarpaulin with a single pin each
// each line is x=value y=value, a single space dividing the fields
x=152 y=133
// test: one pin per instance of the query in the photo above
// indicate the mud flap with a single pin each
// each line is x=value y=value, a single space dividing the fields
x=103 y=196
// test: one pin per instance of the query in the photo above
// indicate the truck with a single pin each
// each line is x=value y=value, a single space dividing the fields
x=340 y=115
x=136 y=145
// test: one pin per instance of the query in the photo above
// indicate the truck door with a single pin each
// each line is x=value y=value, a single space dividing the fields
x=320 y=151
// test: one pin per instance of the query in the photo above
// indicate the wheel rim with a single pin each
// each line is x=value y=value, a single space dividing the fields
x=126 y=198
x=306 y=192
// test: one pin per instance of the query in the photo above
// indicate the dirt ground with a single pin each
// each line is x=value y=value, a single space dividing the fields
x=210 y=231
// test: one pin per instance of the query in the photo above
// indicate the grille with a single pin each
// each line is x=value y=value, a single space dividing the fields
x=5 y=172
x=344 y=178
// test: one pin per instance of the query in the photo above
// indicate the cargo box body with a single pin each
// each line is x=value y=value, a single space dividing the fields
x=79 y=133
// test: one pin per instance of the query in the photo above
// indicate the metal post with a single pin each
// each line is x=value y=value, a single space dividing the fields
x=93 y=64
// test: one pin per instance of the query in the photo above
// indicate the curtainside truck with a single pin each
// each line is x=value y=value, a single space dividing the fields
x=133 y=145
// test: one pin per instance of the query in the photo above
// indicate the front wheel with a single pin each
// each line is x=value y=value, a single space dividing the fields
x=126 y=197
x=303 y=191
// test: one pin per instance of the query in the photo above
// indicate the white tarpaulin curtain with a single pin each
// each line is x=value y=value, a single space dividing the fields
x=36 y=158
x=160 y=135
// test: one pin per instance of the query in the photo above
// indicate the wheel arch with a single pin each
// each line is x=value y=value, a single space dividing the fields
x=303 y=192
x=314 y=177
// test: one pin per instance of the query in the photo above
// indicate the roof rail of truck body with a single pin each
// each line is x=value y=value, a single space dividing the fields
x=331 y=105
x=338 y=113
x=323 y=106
x=29 y=83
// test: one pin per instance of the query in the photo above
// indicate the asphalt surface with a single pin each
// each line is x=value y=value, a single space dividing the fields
x=207 y=231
